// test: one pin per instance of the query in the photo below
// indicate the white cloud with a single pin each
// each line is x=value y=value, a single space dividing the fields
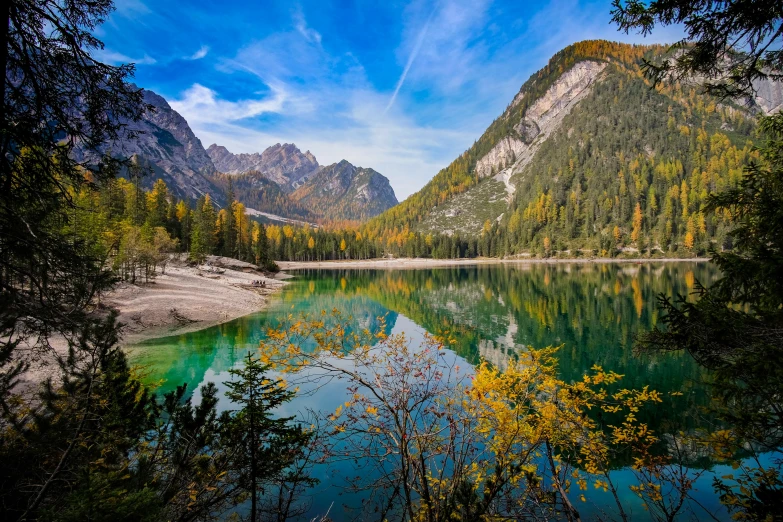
x=329 y=107
x=302 y=28
x=466 y=58
x=116 y=58
x=453 y=50
x=198 y=55
x=200 y=105
x=407 y=154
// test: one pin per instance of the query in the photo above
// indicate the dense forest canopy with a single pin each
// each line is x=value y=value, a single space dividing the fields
x=629 y=167
x=88 y=441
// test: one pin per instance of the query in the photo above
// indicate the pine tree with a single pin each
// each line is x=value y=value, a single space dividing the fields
x=202 y=233
x=268 y=445
x=241 y=230
x=158 y=204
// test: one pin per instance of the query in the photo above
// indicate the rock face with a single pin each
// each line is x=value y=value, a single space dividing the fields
x=167 y=147
x=344 y=191
x=540 y=119
x=503 y=154
x=284 y=164
x=769 y=95
x=466 y=213
x=273 y=181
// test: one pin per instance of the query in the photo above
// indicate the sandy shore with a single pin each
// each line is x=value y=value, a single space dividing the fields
x=186 y=299
x=403 y=263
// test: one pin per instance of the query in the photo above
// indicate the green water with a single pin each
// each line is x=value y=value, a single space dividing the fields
x=592 y=310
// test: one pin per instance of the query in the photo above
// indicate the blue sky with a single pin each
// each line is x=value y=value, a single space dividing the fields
x=402 y=87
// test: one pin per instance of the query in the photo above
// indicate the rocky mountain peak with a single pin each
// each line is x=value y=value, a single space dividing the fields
x=345 y=191
x=284 y=163
x=265 y=181
x=167 y=146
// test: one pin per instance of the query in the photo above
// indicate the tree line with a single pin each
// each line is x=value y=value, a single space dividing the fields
x=92 y=443
x=629 y=168
x=137 y=230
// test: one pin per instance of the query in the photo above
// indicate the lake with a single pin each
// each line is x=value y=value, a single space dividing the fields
x=592 y=310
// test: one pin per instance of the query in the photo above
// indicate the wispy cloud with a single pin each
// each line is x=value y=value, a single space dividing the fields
x=131 y=8
x=201 y=105
x=329 y=107
x=198 y=55
x=404 y=91
x=411 y=57
x=115 y=58
x=455 y=49
x=301 y=26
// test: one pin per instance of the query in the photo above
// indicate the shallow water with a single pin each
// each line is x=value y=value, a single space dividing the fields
x=592 y=311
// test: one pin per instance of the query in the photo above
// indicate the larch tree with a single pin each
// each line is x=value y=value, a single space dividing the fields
x=637 y=223
x=734 y=327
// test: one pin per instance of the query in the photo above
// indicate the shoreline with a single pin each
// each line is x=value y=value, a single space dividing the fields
x=186 y=299
x=408 y=262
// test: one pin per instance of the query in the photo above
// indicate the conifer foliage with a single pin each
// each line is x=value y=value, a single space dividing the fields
x=91 y=443
x=625 y=145
x=267 y=445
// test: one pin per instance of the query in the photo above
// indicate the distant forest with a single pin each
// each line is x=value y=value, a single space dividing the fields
x=628 y=173
x=629 y=169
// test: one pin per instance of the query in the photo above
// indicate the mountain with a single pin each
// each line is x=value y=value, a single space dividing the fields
x=167 y=148
x=284 y=164
x=281 y=180
x=342 y=191
x=588 y=156
x=259 y=193
x=337 y=192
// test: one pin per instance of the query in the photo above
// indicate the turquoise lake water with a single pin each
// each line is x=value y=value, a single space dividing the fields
x=592 y=310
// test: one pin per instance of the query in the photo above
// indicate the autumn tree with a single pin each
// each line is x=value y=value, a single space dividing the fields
x=437 y=443
x=734 y=328
x=229 y=229
x=637 y=223
x=731 y=44
x=688 y=241
x=242 y=231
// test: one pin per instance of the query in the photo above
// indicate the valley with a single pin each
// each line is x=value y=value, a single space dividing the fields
x=443 y=261
x=587 y=159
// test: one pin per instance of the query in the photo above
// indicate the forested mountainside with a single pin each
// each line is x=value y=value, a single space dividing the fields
x=342 y=191
x=256 y=191
x=588 y=156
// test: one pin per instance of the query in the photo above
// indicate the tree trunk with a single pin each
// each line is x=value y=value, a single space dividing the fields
x=571 y=512
x=253 y=463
